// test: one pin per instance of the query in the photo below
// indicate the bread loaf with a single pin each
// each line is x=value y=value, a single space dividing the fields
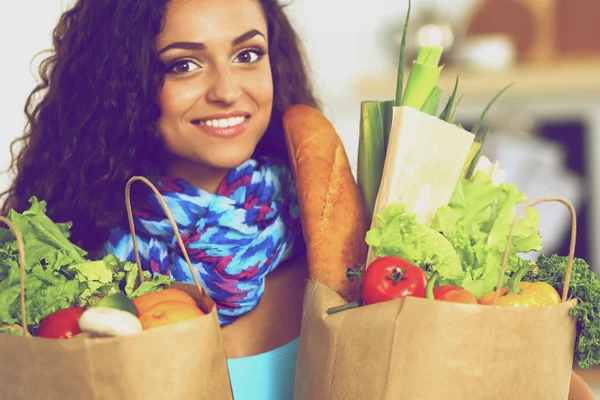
x=332 y=213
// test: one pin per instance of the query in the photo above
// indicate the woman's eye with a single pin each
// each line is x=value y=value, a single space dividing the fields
x=183 y=67
x=249 y=56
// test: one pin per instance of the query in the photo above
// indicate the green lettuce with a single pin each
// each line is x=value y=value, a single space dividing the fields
x=58 y=273
x=398 y=233
x=467 y=238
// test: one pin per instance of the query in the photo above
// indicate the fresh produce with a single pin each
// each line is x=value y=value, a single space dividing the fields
x=62 y=324
x=422 y=93
x=119 y=301
x=166 y=307
x=488 y=298
x=59 y=275
x=169 y=312
x=467 y=238
x=108 y=322
x=389 y=278
x=585 y=287
x=144 y=302
x=371 y=150
x=524 y=294
x=449 y=293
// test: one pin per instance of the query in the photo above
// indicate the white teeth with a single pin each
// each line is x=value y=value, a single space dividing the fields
x=224 y=122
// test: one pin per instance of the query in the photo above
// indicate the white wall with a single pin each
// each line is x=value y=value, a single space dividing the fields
x=25 y=30
x=340 y=48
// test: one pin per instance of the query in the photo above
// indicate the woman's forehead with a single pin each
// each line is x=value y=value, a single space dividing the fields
x=210 y=21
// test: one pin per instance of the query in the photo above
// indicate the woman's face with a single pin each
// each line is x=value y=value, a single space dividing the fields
x=218 y=91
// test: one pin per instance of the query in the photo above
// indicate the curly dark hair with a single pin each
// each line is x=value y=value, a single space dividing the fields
x=94 y=125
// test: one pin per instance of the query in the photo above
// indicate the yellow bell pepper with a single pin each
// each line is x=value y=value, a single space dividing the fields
x=524 y=294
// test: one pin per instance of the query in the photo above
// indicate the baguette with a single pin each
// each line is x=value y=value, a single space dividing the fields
x=333 y=220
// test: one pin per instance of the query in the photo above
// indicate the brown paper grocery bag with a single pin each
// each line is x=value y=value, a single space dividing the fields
x=185 y=360
x=420 y=349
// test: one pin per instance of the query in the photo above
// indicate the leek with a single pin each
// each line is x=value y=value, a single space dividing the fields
x=423 y=76
x=371 y=153
x=387 y=113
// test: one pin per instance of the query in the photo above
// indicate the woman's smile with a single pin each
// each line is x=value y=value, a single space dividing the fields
x=224 y=125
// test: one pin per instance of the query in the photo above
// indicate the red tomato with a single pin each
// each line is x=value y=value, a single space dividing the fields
x=389 y=278
x=62 y=324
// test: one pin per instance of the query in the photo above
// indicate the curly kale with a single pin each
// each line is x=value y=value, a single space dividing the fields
x=585 y=287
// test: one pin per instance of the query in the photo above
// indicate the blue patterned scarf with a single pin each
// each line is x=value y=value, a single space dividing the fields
x=234 y=237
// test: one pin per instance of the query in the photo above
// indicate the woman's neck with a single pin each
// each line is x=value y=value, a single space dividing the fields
x=201 y=176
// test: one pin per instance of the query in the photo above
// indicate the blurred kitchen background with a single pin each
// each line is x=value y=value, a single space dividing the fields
x=546 y=128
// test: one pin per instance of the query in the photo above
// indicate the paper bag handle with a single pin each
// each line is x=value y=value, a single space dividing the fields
x=21 y=248
x=571 y=244
x=169 y=215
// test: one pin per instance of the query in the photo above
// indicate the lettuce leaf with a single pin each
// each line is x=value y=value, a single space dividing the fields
x=398 y=233
x=467 y=238
x=58 y=273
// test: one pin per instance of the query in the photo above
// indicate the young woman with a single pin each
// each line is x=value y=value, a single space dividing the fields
x=189 y=93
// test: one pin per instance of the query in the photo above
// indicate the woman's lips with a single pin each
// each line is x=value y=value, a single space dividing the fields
x=224 y=127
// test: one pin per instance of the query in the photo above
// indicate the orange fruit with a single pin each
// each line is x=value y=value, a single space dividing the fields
x=169 y=312
x=149 y=300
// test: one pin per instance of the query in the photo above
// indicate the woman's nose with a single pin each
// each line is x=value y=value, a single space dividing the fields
x=224 y=88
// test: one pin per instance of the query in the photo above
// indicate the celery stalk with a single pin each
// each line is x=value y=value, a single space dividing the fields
x=433 y=101
x=371 y=153
x=423 y=76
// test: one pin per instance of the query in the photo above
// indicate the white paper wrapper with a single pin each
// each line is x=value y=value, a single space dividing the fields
x=424 y=161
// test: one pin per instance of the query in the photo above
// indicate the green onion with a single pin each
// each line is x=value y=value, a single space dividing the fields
x=477 y=154
x=400 y=82
x=447 y=112
x=453 y=116
x=478 y=144
x=485 y=110
x=433 y=101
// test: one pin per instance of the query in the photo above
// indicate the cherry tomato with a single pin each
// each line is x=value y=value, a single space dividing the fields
x=389 y=278
x=62 y=324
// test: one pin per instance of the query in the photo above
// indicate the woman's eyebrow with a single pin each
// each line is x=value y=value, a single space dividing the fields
x=201 y=46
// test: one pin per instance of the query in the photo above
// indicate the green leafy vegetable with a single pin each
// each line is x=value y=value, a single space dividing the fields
x=585 y=287
x=58 y=274
x=467 y=238
x=399 y=234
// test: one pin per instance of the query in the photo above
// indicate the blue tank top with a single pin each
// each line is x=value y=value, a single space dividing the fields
x=266 y=376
